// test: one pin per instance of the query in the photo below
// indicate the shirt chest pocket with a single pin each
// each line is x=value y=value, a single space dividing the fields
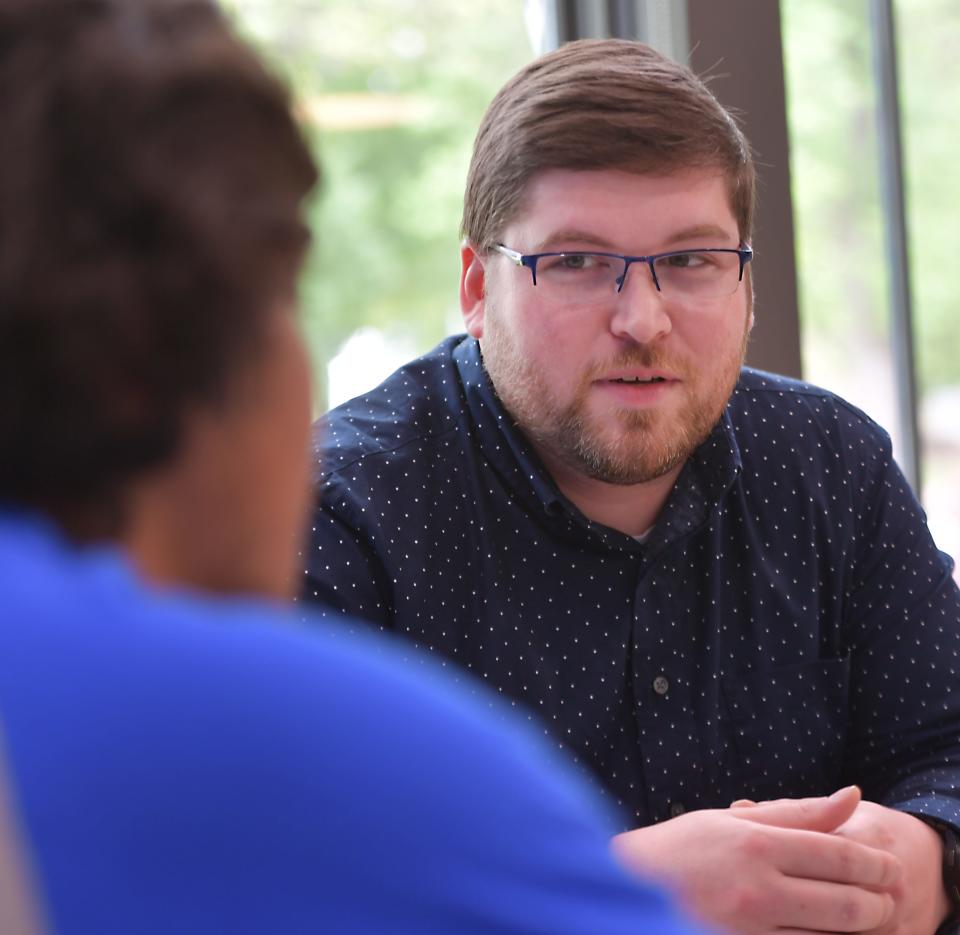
x=786 y=729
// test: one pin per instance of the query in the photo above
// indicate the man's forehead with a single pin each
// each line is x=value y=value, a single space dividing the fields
x=602 y=208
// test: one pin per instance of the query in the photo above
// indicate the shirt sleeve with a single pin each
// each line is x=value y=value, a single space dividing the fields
x=903 y=627
x=343 y=573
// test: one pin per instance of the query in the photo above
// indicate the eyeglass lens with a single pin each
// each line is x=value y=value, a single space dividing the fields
x=588 y=276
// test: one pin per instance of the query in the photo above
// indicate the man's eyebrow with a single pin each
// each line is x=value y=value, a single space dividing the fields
x=573 y=234
x=701 y=232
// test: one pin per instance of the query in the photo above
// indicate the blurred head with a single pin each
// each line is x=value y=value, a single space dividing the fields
x=600 y=104
x=151 y=181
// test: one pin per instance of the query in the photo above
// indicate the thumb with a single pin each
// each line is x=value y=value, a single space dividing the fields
x=815 y=814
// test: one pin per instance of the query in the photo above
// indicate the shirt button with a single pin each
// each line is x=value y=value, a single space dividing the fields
x=677 y=809
x=660 y=685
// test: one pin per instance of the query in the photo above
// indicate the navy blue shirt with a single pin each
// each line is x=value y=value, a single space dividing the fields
x=183 y=764
x=788 y=626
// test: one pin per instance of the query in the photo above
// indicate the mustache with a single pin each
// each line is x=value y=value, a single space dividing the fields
x=638 y=355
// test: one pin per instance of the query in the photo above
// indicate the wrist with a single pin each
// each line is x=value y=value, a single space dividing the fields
x=950 y=864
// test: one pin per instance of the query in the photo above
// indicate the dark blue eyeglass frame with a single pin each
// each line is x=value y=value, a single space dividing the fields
x=530 y=260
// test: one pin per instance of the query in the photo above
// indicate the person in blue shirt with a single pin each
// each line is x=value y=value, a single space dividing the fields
x=175 y=754
x=707 y=583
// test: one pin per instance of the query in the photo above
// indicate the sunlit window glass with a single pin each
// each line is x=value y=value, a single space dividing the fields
x=838 y=210
x=929 y=40
x=392 y=91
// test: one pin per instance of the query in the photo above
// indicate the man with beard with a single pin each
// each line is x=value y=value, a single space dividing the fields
x=711 y=584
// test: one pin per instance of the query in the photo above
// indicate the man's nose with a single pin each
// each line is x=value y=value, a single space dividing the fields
x=640 y=309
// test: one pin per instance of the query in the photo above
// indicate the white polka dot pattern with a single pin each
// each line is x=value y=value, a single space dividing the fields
x=787 y=627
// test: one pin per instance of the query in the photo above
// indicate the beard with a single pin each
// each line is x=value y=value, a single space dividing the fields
x=630 y=446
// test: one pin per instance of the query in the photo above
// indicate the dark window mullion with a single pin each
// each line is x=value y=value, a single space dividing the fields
x=890 y=140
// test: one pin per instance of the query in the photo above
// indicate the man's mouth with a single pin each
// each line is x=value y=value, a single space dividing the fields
x=638 y=380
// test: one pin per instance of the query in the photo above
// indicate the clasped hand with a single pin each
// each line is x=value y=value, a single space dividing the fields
x=832 y=864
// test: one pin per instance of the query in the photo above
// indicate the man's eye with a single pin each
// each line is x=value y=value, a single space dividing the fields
x=577 y=261
x=586 y=262
x=685 y=260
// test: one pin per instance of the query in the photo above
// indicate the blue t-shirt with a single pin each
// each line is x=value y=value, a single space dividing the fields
x=185 y=764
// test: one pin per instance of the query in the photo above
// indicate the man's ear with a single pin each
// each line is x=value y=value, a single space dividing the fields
x=472 y=281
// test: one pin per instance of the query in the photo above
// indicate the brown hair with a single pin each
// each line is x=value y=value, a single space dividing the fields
x=151 y=180
x=600 y=104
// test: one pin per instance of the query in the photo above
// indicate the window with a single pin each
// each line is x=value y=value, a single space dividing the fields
x=842 y=270
x=392 y=92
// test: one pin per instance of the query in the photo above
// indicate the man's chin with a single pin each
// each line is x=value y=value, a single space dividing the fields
x=631 y=471
x=641 y=447
x=614 y=461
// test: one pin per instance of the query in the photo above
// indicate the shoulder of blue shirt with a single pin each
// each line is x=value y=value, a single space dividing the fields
x=210 y=761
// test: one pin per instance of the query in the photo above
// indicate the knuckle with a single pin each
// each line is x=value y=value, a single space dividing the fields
x=755 y=843
x=744 y=901
x=846 y=860
x=850 y=913
x=872 y=911
x=805 y=808
x=893 y=876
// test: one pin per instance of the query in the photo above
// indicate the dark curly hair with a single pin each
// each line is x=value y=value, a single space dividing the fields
x=151 y=187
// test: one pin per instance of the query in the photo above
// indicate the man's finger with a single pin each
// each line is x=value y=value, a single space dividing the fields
x=816 y=856
x=814 y=905
x=817 y=814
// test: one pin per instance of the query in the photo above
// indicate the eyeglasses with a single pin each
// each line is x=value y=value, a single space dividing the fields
x=576 y=277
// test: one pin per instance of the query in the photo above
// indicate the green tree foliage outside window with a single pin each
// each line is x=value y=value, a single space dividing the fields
x=837 y=191
x=391 y=92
